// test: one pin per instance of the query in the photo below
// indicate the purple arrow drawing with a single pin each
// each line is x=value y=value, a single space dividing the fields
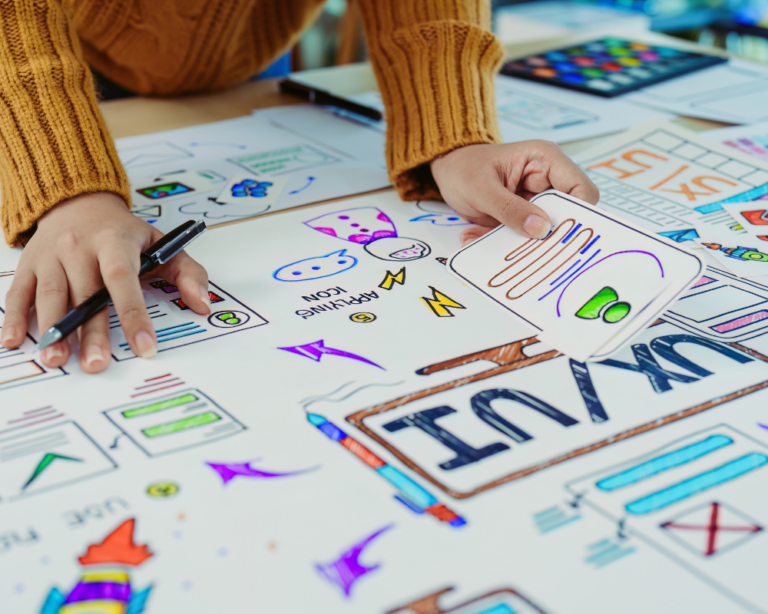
x=316 y=349
x=347 y=569
x=229 y=471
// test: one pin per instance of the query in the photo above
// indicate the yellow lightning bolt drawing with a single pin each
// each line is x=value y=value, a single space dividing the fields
x=390 y=280
x=440 y=304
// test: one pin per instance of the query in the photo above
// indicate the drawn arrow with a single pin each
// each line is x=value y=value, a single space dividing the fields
x=229 y=471
x=45 y=463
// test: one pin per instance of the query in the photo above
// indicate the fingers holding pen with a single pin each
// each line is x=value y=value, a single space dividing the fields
x=120 y=269
x=85 y=280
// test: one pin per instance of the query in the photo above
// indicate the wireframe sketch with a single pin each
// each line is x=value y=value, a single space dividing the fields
x=176 y=325
x=37 y=456
x=284 y=160
x=696 y=499
x=152 y=154
x=722 y=306
x=667 y=178
x=22 y=365
x=173 y=421
x=499 y=601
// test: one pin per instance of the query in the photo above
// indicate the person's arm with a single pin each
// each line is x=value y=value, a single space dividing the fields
x=435 y=62
x=60 y=176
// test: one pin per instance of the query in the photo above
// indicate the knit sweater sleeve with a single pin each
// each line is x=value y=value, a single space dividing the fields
x=53 y=141
x=435 y=62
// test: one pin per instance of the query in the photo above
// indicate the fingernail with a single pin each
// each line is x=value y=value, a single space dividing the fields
x=52 y=352
x=8 y=332
x=93 y=355
x=536 y=227
x=205 y=298
x=145 y=345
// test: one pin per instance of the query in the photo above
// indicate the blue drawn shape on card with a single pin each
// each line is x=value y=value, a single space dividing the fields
x=680 y=236
x=665 y=462
x=316 y=267
x=440 y=219
x=250 y=188
x=699 y=483
x=754 y=194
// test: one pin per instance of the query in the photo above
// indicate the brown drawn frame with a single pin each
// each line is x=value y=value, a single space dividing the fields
x=510 y=357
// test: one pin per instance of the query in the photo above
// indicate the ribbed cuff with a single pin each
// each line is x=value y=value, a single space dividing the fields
x=54 y=144
x=28 y=191
x=439 y=97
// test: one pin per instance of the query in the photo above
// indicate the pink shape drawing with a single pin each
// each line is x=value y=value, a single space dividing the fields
x=359 y=225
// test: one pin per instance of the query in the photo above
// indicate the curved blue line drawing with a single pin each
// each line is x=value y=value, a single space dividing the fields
x=301 y=189
x=316 y=267
x=440 y=219
x=629 y=251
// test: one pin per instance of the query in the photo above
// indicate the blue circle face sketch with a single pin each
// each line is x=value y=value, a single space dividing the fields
x=316 y=267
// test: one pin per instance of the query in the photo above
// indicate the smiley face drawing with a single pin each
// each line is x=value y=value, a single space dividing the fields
x=316 y=267
x=398 y=249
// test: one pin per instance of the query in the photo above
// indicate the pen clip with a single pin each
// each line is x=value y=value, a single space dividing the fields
x=168 y=251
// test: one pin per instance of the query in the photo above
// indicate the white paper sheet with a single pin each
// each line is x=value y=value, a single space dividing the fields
x=286 y=515
x=337 y=160
x=733 y=92
x=527 y=110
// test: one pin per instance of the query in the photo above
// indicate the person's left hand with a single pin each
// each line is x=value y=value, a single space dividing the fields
x=491 y=184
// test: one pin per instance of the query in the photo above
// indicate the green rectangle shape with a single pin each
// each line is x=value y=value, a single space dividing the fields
x=167 y=404
x=181 y=425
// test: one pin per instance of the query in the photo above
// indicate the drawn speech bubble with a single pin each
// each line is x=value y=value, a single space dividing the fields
x=316 y=267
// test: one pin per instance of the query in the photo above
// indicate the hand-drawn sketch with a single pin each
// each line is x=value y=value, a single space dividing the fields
x=305 y=163
x=152 y=154
x=105 y=584
x=317 y=349
x=507 y=386
x=693 y=499
x=440 y=304
x=371 y=227
x=413 y=496
x=347 y=570
x=177 y=325
x=229 y=471
x=572 y=285
x=666 y=178
x=500 y=601
x=723 y=307
x=285 y=160
x=36 y=459
x=173 y=421
x=438 y=214
x=22 y=365
x=316 y=267
x=391 y=279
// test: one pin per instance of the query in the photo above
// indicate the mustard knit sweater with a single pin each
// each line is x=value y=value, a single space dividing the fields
x=434 y=61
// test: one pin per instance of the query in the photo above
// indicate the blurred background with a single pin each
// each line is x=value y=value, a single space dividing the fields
x=740 y=26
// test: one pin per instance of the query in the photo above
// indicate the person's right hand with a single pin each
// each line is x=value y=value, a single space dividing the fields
x=81 y=245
